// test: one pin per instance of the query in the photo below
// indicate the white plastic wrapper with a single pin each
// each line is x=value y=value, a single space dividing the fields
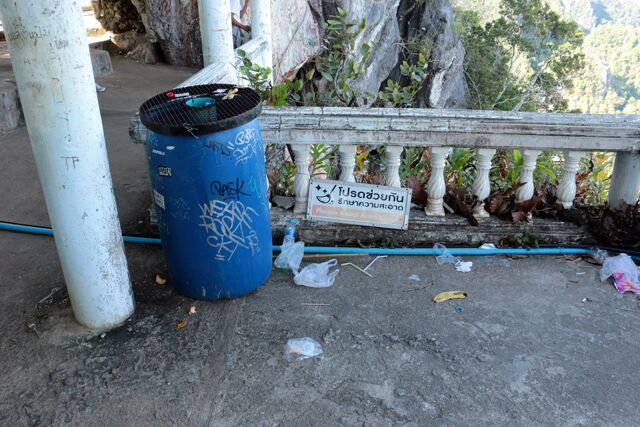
x=302 y=348
x=317 y=275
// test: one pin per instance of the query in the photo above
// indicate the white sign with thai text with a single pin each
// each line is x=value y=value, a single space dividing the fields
x=362 y=204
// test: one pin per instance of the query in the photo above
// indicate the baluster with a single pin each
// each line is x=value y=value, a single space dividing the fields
x=567 y=189
x=436 y=186
x=347 y=162
x=482 y=185
x=525 y=191
x=392 y=155
x=625 y=181
x=301 y=186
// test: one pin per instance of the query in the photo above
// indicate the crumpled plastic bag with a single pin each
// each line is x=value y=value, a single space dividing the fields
x=316 y=275
x=623 y=271
x=302 y=348
x=290 y=257
x=446 y=257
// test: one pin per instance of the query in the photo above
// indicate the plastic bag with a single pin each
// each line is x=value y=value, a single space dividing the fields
x=290 y=257
x=623 y=271
x=445 y=257
x=302 y=348
x=316 y=275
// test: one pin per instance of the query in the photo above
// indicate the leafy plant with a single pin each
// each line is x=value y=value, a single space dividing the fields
x=523 y=59
x=321 y=156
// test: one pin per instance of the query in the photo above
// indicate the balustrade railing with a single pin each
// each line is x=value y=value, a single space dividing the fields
x=439 y=130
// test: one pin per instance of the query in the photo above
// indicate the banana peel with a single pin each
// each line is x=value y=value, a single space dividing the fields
x=446 y=296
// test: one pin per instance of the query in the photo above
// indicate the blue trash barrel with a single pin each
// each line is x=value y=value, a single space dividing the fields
x=207 y=169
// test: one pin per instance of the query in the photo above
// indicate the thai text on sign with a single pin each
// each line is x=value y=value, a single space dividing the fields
x=362 y=204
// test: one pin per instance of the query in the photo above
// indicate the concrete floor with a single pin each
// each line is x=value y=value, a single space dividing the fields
x=525 y=351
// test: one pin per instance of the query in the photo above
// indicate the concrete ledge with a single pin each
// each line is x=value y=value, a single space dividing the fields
x=424 y=231
x=10 y=110
x=101 y=62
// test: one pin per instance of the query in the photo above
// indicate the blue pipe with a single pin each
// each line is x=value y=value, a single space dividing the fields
x=30 y=229
x=452 y=251
x=329 y=250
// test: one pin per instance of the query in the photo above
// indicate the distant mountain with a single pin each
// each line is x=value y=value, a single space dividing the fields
x=590 y=14
x=610 y=80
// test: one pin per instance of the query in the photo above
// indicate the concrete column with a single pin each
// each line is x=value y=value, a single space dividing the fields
x=216 y=33
x=50 y=58
x=261 y=27
x=625 y=182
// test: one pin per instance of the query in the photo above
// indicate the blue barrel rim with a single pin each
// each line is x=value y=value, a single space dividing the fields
x=168 y=113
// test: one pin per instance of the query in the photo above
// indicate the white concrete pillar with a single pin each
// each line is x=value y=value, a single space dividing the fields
x=482 y=184
x=347 y=162
x=566 y=191
x=50 y=58
x=261 y=27
x=301 y=185
x=392 y=154
x=625 y=182
x=216 y=34
x=529 y=161
x=436 y=186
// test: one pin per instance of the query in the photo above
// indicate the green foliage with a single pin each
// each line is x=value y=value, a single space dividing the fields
x=321 y=156
x=413 y=73
x=460 y=166
x=523 y=59
x=413 y=163
x=287 y=175
x=610 y=81
x=258 y=77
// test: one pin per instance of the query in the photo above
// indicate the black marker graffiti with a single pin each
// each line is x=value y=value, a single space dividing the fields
x=72 y=159
x=228 y=191
x=217 y=146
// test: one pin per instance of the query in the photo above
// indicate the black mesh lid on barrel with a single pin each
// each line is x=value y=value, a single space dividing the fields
x=200 y=110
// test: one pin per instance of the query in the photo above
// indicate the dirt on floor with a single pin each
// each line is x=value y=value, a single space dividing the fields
x=541 y=342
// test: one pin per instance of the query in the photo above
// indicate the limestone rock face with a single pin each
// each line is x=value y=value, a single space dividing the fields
x=297 y=34
x=382 y=28
x=175 y=26
x=446 y=86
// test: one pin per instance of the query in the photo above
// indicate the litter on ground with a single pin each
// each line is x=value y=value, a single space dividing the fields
x=352 y=265
x=446 y=257
x=302 y=348
x=449 y=295
x=623 y=271
x=317 y=275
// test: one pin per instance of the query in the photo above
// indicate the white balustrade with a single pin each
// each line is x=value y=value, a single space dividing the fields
x=347 y=162
x=436 y=187
x=482 y=184
x=525 y=191
x=301 y=185
x=392 y=155
x=567 y=189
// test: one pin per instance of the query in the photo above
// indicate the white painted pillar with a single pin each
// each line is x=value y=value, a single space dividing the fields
x=261 y=27
x=50 y=58
x=567 y=189
x=216 y=34
x=301 y=185
x=436 y=186
x=625 y=181
x=392 y=155
x=525 y=191
x=347 y=162
x=482 y=184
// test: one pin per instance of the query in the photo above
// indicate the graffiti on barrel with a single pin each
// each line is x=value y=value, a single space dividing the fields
x=228 y=225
